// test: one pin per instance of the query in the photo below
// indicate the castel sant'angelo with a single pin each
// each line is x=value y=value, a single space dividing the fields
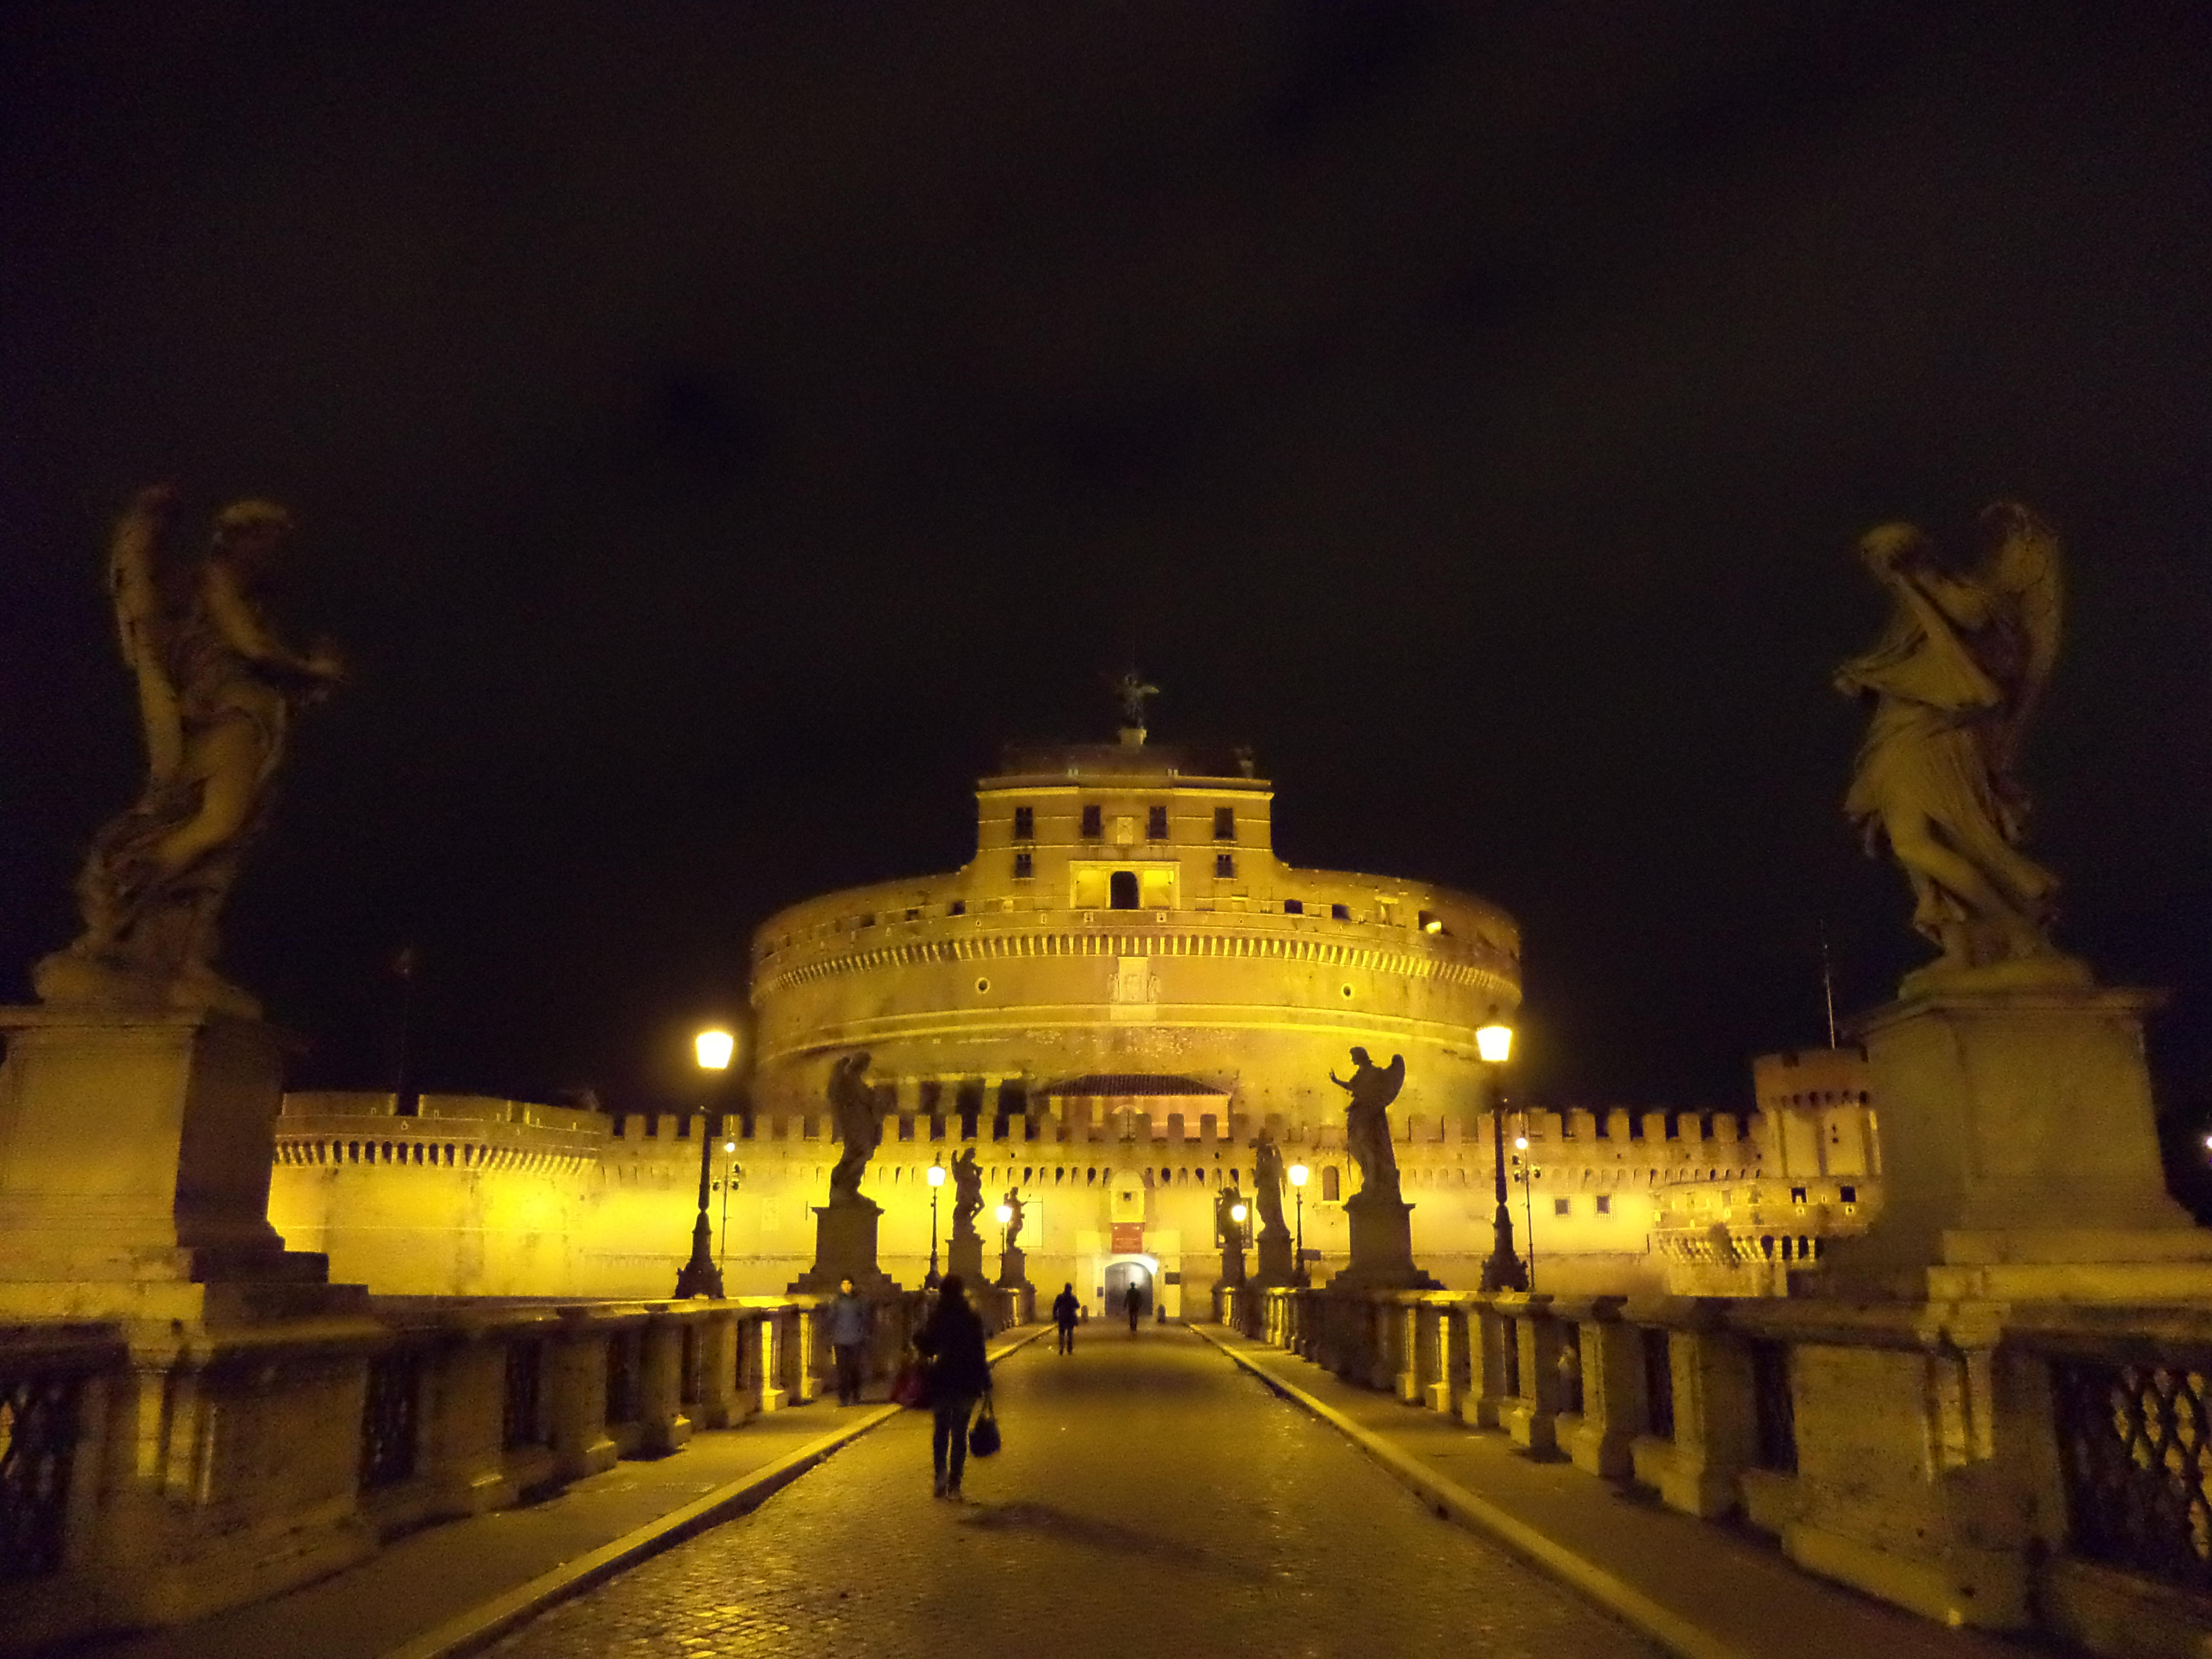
x=1110 y=1006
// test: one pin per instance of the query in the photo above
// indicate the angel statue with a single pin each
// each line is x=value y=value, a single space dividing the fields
x=1367 y=1121
x=1016 y=1207
x=1130 y=691
x=216 y=690
x=859 y=1117
x=1268 y=1183
x=968 y=1193
x=1953 y=680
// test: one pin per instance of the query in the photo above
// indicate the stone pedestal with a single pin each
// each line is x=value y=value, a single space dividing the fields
x=1276 y=1266
x=1013 y=1269
x=1382 y=1256
x=2022 y=1183
x=135 y=1158
x=221 y=1456
x=1232 y=1267
x=2019 y=1157
x=845 y=1247
x=963 y=1254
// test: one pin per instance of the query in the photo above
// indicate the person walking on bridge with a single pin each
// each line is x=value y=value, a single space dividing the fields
x=1135 y=1302
x=959 y=1375
x=1065 y=1308
x=850 y=1316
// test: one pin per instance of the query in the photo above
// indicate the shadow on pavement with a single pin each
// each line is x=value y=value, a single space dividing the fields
x=1102 y=1535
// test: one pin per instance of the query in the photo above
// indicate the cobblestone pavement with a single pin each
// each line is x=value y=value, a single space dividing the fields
x=1152 y=1497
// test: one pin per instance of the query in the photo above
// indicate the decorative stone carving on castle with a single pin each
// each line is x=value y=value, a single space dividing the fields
x=860 y=1125
x=216 y=689
x=1367 y=1121
x=1954 y=679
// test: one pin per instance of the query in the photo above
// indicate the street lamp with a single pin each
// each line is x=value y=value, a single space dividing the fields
x=729 y=1180
x=1004 y=1213
x=1503 y=1271
x=700 y=1276
x=936 y=1180
x=1528 y=1179
x=1299 y=1175
x=1237 y=1213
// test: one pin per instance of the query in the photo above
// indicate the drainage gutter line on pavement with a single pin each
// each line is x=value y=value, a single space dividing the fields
x=480 y=1626
x=1615 y=1595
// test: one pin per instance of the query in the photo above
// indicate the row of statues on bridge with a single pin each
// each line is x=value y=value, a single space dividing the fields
x=857 y=1108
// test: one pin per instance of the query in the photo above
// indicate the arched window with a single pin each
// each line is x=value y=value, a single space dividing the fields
x=1121 y=889
x=1328 y=1184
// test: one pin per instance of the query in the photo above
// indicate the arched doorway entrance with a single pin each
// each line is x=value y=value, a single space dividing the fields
x=1124 y=1273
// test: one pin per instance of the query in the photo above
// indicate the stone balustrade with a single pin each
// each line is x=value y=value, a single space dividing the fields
x=2063 y=1450
x=426 y=1408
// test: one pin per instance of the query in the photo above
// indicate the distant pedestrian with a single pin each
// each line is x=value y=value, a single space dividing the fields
x=1135 y=1302
x=851 y=1320
x=1065 y=1308
x=959 y=1375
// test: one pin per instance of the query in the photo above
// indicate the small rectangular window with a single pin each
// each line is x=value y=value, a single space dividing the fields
x=1225 y=823
x=1025 y=824
x=1796 y=1194
x=1024 y=867
x=1094 y=824
x=1339 y=913
x=1562 y=1206
x=958 y=907
x=1224 y=864
x=1156 y=824
x=1605 y=1203
x=1848 y=1194
x=1294 y=907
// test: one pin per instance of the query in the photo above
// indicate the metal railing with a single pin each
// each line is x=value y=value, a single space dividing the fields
x=2135 y=1444
x=39 y=1434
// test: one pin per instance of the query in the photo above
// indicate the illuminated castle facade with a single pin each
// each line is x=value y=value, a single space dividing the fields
x=1108 y=1005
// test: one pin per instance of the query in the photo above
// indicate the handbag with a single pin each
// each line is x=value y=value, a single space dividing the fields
x=911 y=1386
x=983 y=1439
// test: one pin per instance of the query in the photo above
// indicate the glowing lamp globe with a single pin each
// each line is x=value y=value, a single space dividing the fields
x=1004 y=1213
x=1237 y=1212
x=1299 y=1174
x=715 y=1049
x=729 y=1145
x=1521 y=1143
x=1495 y=1044
x=937 y=1174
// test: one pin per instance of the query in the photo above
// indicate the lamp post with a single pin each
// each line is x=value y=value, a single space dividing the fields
x=1299 y=1175
x=1503 y=1271
x=936 y=1180
x=1004 y=1213
x=700 y=1276
x=729 y=1180
x=1237 y=1213
x=1527 y=1194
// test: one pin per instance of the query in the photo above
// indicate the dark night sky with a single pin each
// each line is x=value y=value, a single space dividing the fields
x=715 y=427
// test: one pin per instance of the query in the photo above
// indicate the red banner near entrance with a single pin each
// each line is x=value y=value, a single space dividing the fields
x=1128 y=1238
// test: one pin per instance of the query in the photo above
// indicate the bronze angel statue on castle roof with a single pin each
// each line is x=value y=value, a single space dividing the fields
x=1955 y=680
x=216 y=689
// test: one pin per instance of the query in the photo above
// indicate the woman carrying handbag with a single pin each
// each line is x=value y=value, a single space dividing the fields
x=959 y=1375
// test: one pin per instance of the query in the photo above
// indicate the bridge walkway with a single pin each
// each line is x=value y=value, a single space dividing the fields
x=1711 y=1588
x=1152 y=1497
